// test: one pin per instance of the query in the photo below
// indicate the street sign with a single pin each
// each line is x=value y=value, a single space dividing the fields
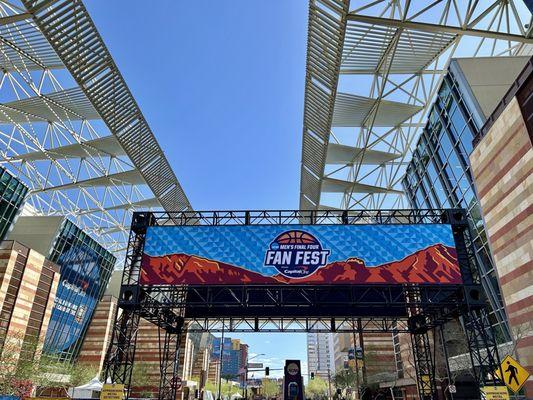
x=494 y=393
x=293 y=369
x=359 y=353
x=514 y=375
x=426 y=384
x=255 y=365
x=112 y=391
x=178 y=382
x=452 y=389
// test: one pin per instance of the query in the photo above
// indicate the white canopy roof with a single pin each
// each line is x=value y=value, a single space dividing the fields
x=94 y=384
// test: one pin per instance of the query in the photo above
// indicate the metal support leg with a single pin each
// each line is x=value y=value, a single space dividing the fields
x=483 y=347
x=169 y=350
x=120 y=356
x=425 y=366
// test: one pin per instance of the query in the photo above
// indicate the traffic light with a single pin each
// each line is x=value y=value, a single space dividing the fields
x=267 y=371
x=312 y=375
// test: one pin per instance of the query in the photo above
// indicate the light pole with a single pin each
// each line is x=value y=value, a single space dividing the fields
x=246 y=373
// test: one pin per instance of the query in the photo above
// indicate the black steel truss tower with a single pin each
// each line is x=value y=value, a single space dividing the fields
x=409 y=308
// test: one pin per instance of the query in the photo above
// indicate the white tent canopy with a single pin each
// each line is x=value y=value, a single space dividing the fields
x=86 y=391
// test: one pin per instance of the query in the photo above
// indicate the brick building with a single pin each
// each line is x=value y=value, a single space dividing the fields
x=28 y=285
x=502 y=165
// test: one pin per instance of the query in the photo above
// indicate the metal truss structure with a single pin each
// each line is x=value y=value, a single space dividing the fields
x=410 y=308
x=373 y=69
x=69 y=126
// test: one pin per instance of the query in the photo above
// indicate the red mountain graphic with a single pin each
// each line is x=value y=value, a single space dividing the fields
x=435 y=264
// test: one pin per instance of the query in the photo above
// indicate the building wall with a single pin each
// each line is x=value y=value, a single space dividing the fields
x=342 y=342
x=98 y=336
x=320 y=354
x=28 y=284
x=440 y=175
x=379 y=356
x=502 y=164
x=12 y=194
x=214 y=370
x=85 y=268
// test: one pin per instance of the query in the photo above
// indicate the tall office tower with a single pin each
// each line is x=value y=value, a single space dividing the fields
x=85 y=268
x=12 y=194
x=440 y=176
x=342 y=343
x=320 y=354
x=231 y=360
x=502 y=164
x=28 y=285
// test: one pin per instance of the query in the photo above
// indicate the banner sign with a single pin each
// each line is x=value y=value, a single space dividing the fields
x=300 y=254
x=494 y=393
x=112 y=391
x=76 y=298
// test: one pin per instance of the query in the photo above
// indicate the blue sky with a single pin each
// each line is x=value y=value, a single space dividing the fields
x=221 y=85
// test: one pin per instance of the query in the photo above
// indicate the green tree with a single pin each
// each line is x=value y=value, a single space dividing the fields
x=19 y=363
x=316 y=388
x=270 y=387
x=225 y=387
x=212 y=387
x=60 y=374
x=24 y=365
x=344 y=379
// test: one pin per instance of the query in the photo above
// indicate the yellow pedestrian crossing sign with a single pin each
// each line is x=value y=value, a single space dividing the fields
x=514 y=375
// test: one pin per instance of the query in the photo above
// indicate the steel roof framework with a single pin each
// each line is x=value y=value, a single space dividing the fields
x=372 y=74
x=70 y=127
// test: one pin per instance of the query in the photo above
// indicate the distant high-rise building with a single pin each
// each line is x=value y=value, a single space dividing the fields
x=85 y=268
x=342 y=342
x=320 y=354
x=12 y=194
x=234 y=356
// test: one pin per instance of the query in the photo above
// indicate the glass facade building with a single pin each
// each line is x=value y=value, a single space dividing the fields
x=439 y=175
x=85 y=268
x=12 y=194
x=232 y=355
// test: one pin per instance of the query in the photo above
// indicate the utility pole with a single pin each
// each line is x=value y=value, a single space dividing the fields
x=221 y=347
x=356 y=363
x=329 y=383
x=246 y=379
x=246 y=374
x=362 y=344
